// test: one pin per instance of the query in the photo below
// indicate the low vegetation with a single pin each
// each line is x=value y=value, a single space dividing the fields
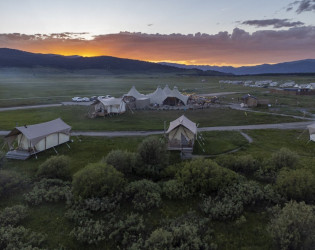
x=135 y=196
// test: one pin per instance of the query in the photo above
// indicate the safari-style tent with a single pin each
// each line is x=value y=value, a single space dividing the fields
x=27 y=140
x=107 y=106
x=181 y=133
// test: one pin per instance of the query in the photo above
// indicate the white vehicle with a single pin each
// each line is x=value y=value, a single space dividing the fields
x=75 y=99
x=108 y=96
x=85 y=99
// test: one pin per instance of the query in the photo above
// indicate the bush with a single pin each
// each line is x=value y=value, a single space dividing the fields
x=173 y=189
x=56 y=167
x=90 y=232
x=293 y=227
x=205 y=176
x=187 y=232
x=152 y=157
x=297 y=184
x=97 y=180
x=145 y=194
x=128 y=231
x=9 y=180
x=48 y=190
x=230 y=202
x=244 y=164
x=13 y=215
x=123 y=161
x=20 y=238
x=284 y=158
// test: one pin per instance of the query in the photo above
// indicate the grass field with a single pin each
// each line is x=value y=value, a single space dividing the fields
x=76 y=117
x=28 y=87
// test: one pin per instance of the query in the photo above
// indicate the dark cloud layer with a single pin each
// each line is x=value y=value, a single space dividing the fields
x=238 y=47
x=302 y=6
x=276 y=23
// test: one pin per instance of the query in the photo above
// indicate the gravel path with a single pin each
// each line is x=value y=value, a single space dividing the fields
x=30 y=107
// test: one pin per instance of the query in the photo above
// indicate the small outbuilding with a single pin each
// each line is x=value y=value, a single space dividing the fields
x=250 y=101
x=311 y=130
x=27 y=140
x=181 y=133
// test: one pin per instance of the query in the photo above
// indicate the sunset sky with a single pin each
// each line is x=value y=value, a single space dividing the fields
x=226 y=32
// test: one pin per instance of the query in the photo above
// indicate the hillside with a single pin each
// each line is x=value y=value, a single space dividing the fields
x=20 y=59
x=302 y=66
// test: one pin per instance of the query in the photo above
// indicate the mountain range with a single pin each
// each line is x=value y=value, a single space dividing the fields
x=12 y=58
x=301 y=66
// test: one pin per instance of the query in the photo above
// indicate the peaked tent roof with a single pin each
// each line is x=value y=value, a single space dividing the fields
x=134 y=93
x=37 y=132
x=158 y=96
x=178 y=95
x=167 y=91
x=183 y=121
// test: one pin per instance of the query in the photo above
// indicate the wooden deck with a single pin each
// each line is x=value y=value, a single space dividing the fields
x=18 y=155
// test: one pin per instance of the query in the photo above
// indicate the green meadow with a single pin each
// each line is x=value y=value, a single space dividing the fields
x=233 y=158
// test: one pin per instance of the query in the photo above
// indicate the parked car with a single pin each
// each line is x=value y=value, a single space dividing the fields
x=86 y=99
x=93 y=98
x=76 y=99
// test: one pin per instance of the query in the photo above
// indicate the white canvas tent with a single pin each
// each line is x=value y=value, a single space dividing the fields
x=311 y=129
x=167 y=96
x=113 y=105
x=181 y=133
x=31 y=139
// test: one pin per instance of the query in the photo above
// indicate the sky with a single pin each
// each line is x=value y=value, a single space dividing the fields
x=204 y=32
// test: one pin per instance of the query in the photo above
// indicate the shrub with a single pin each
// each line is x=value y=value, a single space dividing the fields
x=293 y=227
x=97 y=180
x=186 y=232
x=145 y=194
x=13 y=215
x=8 y=181
x=244 y=164
x=123 y=161
x=230 y=202
x=284 y=158
x=56 y=167
x=128 y=231
x=296 y=184
x=173 y=189
x=20 y=238
x=222 y=209
x=205 y=176
x=152 y=157
x=48 y=190
x=90 y=232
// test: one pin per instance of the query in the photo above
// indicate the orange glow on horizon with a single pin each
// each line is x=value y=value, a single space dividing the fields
x=94 y=52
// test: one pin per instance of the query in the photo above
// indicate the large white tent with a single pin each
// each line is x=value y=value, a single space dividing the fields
x=160 y=96
x=31 y=139
x=311 y=129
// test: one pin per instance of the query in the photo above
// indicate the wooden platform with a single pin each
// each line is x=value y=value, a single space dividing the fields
x=18 y=155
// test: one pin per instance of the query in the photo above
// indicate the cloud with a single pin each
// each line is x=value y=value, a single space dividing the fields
x=238 y=47
x=302 y=6
x=276 y=23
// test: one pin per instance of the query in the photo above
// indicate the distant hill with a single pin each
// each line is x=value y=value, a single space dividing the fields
x=11 y=58
x=302 y=66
